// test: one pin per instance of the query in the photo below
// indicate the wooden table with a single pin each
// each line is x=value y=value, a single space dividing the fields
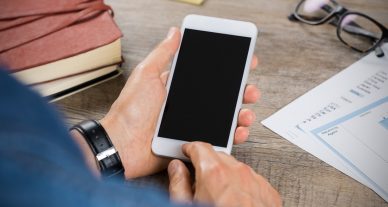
x=294 y=58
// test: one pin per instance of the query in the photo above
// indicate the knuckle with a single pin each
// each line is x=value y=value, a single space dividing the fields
x=168 y=51
x=243 y=168
x=207 y=145
x=165 y=51
x=216 y=170
x=195 y=144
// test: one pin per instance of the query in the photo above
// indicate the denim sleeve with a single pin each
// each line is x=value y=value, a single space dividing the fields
x=41 y=166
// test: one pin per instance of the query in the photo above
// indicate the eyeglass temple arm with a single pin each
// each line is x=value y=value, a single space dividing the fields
x=355 y=29
x=292 y=18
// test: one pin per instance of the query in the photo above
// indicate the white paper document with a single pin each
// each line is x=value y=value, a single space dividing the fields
x=344 y=122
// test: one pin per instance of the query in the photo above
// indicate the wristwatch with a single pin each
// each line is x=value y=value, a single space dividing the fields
x=106 y=155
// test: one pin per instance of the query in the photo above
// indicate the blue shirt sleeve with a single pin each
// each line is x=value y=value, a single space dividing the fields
x=40 y=165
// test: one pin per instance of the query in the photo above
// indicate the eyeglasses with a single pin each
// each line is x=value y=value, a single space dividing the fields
x=356 y=30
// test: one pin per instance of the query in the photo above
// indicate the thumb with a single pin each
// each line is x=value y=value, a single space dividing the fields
x=158 y=60
x=180 y=184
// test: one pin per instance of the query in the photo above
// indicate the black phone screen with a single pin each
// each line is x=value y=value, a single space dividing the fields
x=205 y=87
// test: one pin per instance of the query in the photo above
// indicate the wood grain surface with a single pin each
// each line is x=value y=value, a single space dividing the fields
x=294 y=58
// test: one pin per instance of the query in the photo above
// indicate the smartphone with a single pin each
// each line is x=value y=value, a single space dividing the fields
x=206 y=85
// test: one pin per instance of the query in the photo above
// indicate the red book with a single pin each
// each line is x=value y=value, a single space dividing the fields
x=43 y=41
x=64 y=43
x=23 y=8
x=68 y=34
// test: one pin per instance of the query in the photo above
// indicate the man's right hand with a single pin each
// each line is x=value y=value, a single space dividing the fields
x=220 y=180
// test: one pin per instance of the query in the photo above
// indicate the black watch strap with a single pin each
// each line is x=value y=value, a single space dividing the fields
x=106 y=155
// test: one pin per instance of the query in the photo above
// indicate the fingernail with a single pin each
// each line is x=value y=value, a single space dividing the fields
x=171 y=33
x=257 y=94
x=252 y=117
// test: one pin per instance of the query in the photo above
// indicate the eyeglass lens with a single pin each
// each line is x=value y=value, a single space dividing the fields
x=359 y=32
x=315 y=10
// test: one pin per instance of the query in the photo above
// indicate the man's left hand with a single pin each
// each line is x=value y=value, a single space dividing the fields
x=132 y=119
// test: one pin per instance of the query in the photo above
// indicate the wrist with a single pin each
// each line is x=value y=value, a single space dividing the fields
x=105 y=154
x=89 y=157
x=133 y=142
x=115 y=132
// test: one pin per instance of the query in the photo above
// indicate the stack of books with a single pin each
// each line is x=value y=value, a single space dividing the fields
x=59 y=47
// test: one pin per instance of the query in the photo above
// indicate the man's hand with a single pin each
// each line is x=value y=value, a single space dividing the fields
x=132 y=119
x=220 y=180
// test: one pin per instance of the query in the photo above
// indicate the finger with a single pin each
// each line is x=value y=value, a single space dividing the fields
x=251 y=94
x=241 y=135
x=246 y=117
x=158 y=60
x=201 y=154
x=255 y=62
x=164 y=77
x=180 y=183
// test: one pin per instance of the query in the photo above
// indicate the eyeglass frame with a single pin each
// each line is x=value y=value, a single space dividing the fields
x=341 y=12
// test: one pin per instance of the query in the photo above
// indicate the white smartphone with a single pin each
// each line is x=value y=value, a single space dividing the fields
x=206 y=85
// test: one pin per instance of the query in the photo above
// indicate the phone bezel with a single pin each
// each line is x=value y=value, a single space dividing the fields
x=171 y=147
